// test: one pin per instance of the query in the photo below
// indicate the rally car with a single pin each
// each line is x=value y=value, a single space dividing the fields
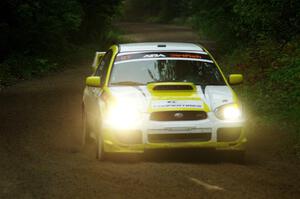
x=144 y=96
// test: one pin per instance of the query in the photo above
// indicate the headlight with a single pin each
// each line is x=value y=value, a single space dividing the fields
x=122 y=115
x=229 y=112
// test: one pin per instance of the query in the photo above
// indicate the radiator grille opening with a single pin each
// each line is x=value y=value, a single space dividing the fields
x=178 y=115
x=182 y=137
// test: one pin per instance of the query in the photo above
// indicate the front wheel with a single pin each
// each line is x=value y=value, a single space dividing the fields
x=80 y=135
x=85 y=136
x=101 y=154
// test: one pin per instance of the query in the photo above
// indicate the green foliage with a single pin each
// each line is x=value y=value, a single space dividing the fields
x=231 y=22
x=39 y=25
x=98 y=16
x=35 y=34
x=272 y=89
x=21 y=67
x=278 y=19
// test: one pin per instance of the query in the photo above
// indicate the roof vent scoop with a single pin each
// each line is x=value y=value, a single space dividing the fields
x=172 y=86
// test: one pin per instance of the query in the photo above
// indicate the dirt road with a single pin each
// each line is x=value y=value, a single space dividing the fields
x=38 y=157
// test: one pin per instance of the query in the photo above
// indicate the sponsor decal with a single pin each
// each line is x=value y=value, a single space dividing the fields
x=182 y=55
x=154 y=56
x=159 y=55
x=177 y=104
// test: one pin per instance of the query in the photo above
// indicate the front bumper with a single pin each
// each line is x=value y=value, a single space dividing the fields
x=140 y=139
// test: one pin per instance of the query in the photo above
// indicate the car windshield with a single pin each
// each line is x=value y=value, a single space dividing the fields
x=142 y=72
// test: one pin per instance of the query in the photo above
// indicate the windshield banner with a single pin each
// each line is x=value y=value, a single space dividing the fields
x=162 y=55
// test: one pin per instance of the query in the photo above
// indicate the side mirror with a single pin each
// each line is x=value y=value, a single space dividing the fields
x=94 y=81
x=97 y=59
x=235 y=79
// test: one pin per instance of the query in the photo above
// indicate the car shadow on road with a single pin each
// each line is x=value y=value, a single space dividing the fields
x=180 y=156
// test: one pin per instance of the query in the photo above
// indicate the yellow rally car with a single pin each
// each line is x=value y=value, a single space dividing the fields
x=161 y=95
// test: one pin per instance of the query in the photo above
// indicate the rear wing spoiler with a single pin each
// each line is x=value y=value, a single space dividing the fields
x=97 y=60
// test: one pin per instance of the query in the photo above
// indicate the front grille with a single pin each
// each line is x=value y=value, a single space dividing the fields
x=182 y=137
x=178 y=115
x=228 y=134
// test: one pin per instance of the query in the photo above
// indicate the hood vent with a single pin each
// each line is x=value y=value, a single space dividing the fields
x=172 y=86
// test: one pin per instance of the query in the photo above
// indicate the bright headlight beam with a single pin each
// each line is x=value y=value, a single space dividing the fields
x=123 y=115
x=229 y=112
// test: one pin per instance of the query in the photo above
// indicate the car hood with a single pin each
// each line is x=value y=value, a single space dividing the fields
x=147 y=100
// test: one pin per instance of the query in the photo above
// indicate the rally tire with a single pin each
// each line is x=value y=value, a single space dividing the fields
x=84 y=128
x=100 y=153
x=81 y=134
x=85 y=137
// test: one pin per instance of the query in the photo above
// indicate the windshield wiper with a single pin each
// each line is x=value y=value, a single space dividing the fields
x=128 y=83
